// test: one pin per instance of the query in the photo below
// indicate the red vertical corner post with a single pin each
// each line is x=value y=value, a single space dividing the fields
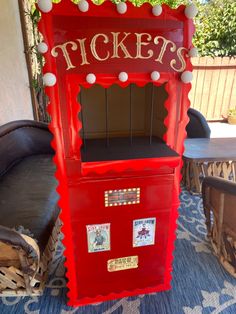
x=119 y=203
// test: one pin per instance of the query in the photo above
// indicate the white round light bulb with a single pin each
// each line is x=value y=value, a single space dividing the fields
x=123 y=76
x=49 y=79
x=45 y=5
x=155 y=75
x=191 y=11
x=157 y=10
x=121 y=7
x=193 y=52
x=186 y=77
x=91 y=78
x=83 y=6
x=42 y=47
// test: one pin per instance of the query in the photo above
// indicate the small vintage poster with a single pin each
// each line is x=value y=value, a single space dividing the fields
x=98 y=238
x=144 y=232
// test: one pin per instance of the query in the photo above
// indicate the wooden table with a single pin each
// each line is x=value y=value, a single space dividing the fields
x=208 y=157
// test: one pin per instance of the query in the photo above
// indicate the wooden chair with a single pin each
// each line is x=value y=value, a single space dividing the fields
x=219 y=199
x=29 y=223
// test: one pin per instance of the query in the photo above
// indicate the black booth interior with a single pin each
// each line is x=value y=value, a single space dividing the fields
x=123 y=123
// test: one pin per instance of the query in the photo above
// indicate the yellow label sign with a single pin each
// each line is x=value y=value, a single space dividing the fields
x=122 y=197
x=122 y=263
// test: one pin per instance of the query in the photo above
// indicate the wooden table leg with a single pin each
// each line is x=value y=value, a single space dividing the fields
x=193 y=171
x=196 y=177
x=188 y=181
x=234 y=170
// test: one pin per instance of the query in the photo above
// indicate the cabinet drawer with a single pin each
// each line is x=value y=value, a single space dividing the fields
x=90 y=198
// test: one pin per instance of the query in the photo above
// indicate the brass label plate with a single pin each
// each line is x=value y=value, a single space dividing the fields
x=122 y=197
x=122 y=263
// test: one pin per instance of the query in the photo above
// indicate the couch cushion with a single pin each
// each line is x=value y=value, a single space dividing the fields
x=19 y=139
x=28 y=197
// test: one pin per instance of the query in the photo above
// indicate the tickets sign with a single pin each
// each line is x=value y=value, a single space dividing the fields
x=117 y=46
x=107 y=42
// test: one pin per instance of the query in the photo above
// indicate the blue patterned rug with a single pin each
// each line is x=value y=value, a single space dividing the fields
x=200 y=284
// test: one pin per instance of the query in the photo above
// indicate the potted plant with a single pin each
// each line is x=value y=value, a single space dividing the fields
x=232 y=116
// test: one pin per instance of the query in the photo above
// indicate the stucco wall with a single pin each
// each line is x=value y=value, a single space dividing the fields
x=15 y=100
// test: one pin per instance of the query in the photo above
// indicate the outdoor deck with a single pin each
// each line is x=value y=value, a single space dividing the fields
x=222 y=130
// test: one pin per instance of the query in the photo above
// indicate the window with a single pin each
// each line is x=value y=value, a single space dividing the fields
x=123 y=123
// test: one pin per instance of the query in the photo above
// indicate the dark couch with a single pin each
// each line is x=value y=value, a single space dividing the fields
x=28 y=197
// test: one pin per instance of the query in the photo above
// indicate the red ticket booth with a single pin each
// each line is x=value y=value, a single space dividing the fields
x=118 y=81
